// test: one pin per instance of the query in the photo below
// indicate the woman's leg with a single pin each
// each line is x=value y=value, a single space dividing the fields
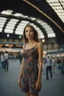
x=34 y=94
x=27 y=93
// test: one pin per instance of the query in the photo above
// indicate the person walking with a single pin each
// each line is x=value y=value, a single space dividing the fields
x=48 y=63
x=2 y=60
x=6 y=64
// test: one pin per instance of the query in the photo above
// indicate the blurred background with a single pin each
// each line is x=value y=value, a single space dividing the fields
x=47 y=16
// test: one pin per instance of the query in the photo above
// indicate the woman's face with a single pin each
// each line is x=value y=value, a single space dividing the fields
x=29 y=33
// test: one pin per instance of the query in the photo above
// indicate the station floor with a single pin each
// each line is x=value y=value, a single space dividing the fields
x=9 y=82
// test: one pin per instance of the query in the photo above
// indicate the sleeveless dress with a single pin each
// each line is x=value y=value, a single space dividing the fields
x=30 y=72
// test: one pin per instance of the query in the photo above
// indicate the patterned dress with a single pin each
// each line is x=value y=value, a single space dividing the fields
x=30 y=72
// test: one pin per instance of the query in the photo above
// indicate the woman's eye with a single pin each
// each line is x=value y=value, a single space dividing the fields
x=28 y=31
x=31 y=31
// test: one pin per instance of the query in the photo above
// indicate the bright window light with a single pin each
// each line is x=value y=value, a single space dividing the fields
x=7 y=12
x=3 y=18
x=51 y=35
x=40 y=33
x=10 y=26
x=19 y=32
x=1 y=29
x=48 y=29
x=41 y=36
x=56 y=6
x=33 y=18
x=18 y=15
x=26 y=22
x=8 y=31
x=20 y=27
x=2 y=22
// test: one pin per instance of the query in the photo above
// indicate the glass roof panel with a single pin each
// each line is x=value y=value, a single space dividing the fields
x=1 y=29
x=10 y=26
x=58 y=7
x=19 y=29
x=47 y=28
x=2 y=22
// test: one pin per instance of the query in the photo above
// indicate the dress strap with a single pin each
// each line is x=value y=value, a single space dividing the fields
x=24 y=46
x=35 y=45
x=30 y=48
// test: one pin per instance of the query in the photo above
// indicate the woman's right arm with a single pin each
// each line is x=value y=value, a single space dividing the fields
x=21 y=72
x=21 y=69
x=22 y=65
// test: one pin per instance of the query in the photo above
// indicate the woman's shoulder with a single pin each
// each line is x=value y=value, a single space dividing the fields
x=39 y=44
x=23 y=46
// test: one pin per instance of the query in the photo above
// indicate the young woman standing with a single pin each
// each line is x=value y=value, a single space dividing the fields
x=31 y=68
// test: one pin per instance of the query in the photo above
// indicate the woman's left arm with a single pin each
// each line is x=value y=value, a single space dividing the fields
x=40 y=59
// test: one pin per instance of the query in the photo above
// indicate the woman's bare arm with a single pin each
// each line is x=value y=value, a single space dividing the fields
x=22 y=65
x=21 y=69
x=40 y=59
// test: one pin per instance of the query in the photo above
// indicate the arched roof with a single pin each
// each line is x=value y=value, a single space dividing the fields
x=45 y=10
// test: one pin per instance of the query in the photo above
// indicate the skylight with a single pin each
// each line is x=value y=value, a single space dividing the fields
x=2 y=22
x=10 y=26
x=48 y=29
x=58 y=7
x=20 y=27
x=19 y=30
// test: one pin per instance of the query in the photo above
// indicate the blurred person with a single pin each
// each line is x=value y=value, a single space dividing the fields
x=48 y=64
x=30 y=78
x=6 y=64
x=20 y=57
x=15 y=57
x=53 y=64
x=62 y=66
x=2 y=60
x=59 y=62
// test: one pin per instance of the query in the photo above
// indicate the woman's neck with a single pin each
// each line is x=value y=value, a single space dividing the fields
x=31 y=41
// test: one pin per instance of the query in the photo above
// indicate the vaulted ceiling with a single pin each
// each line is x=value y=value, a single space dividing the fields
x=42 y=10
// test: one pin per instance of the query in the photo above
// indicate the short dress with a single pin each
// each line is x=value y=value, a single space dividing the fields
x=30 y=72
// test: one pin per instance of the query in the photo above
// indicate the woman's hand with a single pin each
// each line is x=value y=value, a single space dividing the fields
x=19 y=82
x=38 y=85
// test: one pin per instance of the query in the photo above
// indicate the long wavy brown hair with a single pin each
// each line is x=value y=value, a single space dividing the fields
x=35 y=33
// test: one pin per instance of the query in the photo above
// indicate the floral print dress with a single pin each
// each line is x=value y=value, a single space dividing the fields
x=30 y=72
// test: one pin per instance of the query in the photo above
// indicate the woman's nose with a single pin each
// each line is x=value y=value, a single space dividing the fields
x=28 y=32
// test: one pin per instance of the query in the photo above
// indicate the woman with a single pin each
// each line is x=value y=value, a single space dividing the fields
x=31 y=69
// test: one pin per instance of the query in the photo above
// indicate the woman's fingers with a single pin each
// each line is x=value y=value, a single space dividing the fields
x=19 y=83
x=38 y=85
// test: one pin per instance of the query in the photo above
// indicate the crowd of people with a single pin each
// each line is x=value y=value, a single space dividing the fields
x=51 y=63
